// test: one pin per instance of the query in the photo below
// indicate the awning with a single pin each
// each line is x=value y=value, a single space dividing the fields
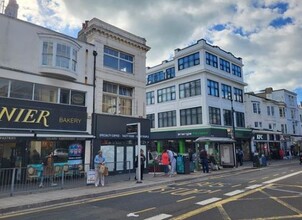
x=72 y=135
x=17 y=135
x=214 y=139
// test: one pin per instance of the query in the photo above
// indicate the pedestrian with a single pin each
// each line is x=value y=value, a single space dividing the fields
x=165 y=162
x=191 y=159
x=142 y=165
x=240 y=157
x=35 y=158
x=204 y=160
x=48 y=169
x=172 y=160
x=99 y=166
x=237 y=157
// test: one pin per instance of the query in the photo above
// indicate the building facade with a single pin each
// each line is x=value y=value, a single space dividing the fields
x=198 y=94
x=289 y=117
x=46 y=81
x=262 y=116
x=119 y=95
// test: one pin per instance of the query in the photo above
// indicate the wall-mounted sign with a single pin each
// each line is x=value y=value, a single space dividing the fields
x=23 y=114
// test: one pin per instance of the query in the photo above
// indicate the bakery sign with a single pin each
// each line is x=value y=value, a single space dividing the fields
x=34 y=115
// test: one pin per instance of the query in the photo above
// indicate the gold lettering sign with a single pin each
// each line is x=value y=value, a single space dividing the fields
x=22 y=115
x=70 y=120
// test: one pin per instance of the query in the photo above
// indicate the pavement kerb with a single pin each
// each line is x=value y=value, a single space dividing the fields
x=118 y=187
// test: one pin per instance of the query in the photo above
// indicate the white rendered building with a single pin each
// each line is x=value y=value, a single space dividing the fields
x=119 y=91
x=262 y=116
x=192 y=96
x=46 y=85
x=289 y=115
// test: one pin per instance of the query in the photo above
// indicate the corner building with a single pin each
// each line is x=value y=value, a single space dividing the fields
x=193 y=101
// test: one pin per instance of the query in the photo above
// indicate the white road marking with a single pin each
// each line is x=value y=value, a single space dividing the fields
x=236 y=192
x=253 y=186
x=159 y=217
x=208 y=201
x=282 y=177
x=132 y=215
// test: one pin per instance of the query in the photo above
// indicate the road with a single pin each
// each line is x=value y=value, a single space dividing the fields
x=274 y=192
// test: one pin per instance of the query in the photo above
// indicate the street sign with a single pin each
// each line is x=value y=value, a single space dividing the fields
x=131 y=128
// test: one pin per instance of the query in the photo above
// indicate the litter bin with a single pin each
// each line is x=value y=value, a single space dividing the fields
x=183 y=164
x=186 y=160
x=256 y=161
x=180 y=168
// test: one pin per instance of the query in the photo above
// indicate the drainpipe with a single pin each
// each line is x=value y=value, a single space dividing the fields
x=93 y=110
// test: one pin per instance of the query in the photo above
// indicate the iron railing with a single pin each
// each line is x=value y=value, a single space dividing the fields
x=32 y=179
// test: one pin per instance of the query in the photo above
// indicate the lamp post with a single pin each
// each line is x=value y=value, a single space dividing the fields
x=233 y=130
x=135 y=128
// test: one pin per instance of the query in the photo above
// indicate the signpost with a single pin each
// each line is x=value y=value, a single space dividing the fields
x=135 y=128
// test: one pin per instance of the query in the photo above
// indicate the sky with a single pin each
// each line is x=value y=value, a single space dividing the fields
x=266 y=34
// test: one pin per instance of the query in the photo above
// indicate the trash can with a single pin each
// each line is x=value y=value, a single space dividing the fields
x=183 y=164
x=256 y=161
x=180 y=165
x=186 y=160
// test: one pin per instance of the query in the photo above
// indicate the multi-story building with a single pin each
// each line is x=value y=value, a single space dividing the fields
x=289 y=115
x=46 y=81
x=262 y=116
x=119 y=97
x=198 y=95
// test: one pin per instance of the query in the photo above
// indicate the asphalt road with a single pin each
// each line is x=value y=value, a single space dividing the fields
x=269 y=193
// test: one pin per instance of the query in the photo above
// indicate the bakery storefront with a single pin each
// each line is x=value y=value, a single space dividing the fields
x=29 y=131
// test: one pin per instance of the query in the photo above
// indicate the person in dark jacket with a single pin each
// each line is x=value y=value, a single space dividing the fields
x=204 y=160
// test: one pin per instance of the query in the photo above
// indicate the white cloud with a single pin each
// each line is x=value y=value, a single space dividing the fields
x=271 y=56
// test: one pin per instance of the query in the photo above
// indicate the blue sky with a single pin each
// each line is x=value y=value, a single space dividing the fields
x=266 y=34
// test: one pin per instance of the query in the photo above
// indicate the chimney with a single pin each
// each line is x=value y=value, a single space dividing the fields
x=269 y=90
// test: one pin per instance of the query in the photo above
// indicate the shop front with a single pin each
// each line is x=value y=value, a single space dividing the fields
x=268 y=144
x=118 y=146
x=29 y=131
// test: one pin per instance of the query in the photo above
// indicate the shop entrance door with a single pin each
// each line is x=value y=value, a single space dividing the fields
x=124 y=158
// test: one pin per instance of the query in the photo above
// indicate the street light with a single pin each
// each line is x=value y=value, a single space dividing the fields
x=135 y=128
x=233 y=129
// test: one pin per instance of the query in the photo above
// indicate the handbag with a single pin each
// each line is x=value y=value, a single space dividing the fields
x=106 y=172
x=102 y=169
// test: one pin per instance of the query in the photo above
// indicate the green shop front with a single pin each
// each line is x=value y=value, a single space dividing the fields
x=216 y=141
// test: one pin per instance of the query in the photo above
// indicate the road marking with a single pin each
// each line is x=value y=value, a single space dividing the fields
x=132 y=215
x=236 y=185
x=264 y=178
x=181 y=200
x=233 y=193
x=282 y=177
x=284 y=203
x=214 y=205
x=253 y=186
x=252 y=181
x=159 y=217
x=276 y=174
x=208 y=201
x=223 y=213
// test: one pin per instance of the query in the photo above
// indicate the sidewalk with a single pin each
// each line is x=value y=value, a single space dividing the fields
x=112 y=186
